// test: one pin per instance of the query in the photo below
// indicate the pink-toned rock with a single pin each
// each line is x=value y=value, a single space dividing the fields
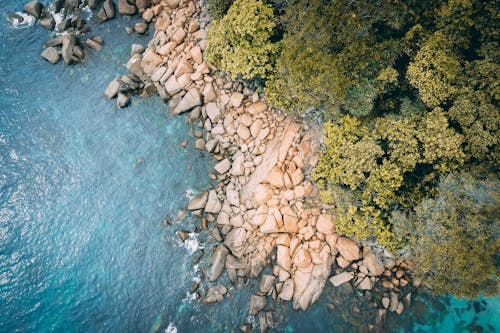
x=166 y=49
x=286 y=293
x=256 y=108
x=283 y=257
x=373 y=263
x=348 y=248
x=179 y=35
x=341 y=278
x=183 y=67
x=243 y=132
x=302 y=258
x=297 y=177
x=236 y=99
x=325 y=224
x=269 y=225
x=275 y=177
x=193 y=26
x=262 y=194
x=150 y=60
x=290 y=223
x=196 y=54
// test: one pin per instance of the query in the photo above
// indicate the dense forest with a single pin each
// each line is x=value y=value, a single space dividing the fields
x=408 y=91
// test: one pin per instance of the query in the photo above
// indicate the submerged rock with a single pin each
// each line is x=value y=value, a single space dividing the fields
x=257 y=303
x=124 y=8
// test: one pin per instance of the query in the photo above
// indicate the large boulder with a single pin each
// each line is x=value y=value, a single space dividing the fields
x=33 y=8
x=93 y=4
x=218 y=262
x=107 y=11
x=189 y=101
x=51 y=55
x=348 y=248
x=283 y=257
x=286 y=293
x=266 y=284
x=68 y=42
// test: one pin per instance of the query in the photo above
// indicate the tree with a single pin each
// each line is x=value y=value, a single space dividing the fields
x=240 y=42
x=436 y=71
x=453 y=238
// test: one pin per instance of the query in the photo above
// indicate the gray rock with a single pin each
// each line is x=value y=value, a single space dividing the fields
x=112 y=89
x=107 y=12
x=54 y=42
x=199 y=144
x=51 y=55
x=257 y=303
x=134 y=65
x=213 y=203
x=124 y=8
x=70 y=5
x=58 y=5
x=68 y=43
x=218 y=262
x=33 y=8
x=213 y=112
x=93 y=4
x=215 y=294
x=266 y=284
x=64 y=24
x=122 y=100
x=141 y=27
x=189 y=101
x=286 y=293
x=183 y=235
x=48 y=22
x=199 y=201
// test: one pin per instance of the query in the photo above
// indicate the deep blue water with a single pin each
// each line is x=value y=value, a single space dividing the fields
x=83 y=188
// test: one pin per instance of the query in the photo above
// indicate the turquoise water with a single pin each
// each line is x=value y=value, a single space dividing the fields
x=83 y=188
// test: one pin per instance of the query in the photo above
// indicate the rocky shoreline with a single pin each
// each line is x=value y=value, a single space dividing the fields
x=264 y=211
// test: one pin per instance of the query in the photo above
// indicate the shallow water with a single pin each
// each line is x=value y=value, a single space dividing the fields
x=83 y=188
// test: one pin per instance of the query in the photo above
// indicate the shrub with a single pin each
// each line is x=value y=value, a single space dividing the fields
x=218 y=8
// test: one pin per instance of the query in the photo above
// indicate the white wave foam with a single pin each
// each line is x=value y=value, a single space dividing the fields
x=27 y=21
x=13 y=155
x=189 y=193
x=191 y=243
x=171 y=328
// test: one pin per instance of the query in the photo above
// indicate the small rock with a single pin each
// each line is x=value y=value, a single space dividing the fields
x=122 y=100
x=141 y=27
x=341 y=278
x=385 y=302
x=236 y=99
x=112 y=89
x=199 y=144
x=189 y=101
x=266 y=284
x=136 y=49
x=93 y=44
x=183 y=234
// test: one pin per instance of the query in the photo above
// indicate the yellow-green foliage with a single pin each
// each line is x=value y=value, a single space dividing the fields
x=436 y=71
x=329 y=48
x=218 y=8
x=453 y=238
x=240 y=43
x=374 y=162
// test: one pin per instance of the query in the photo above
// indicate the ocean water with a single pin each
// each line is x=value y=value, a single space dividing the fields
x=83 y=189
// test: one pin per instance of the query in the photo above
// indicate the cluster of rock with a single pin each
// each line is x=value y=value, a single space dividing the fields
x=264 y=211
x=70 y=44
